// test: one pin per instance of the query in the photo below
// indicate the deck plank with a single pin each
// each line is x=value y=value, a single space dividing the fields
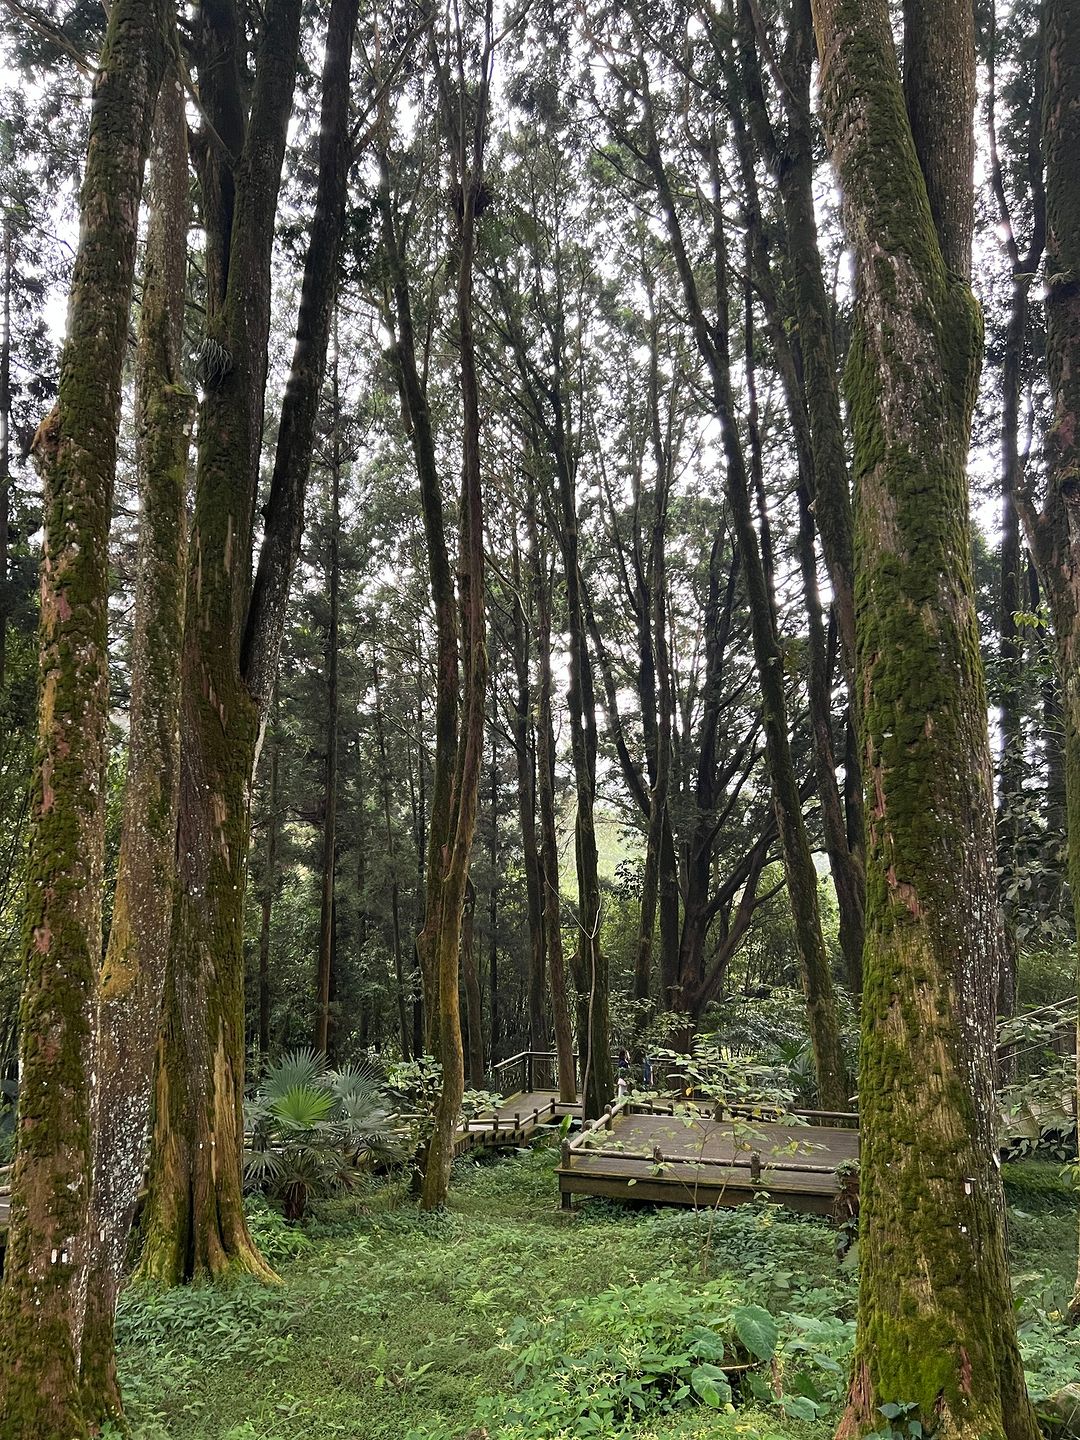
x=618 y=1161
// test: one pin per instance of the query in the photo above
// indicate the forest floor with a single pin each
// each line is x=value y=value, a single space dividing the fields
x=506 y=1318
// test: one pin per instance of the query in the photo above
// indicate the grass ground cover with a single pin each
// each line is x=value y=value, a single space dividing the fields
x=506 y=1318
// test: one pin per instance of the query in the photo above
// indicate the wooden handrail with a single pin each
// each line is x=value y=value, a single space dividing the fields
x=602 y=1122
x=734 y=1163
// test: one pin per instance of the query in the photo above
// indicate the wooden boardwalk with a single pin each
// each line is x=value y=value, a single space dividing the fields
x=637 y=1152
x=514 y=1122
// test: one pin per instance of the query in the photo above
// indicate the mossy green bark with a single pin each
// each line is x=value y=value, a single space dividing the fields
x=133 y=973
x=936 y=1324
x=42 y=1303
x=194 y=1224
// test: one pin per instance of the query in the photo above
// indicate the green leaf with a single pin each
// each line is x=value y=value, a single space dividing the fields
x=756 y=1329
x=799 y=1407
x=712 y=1385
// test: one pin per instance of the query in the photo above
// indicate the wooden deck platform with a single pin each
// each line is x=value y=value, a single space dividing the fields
x=635 y=1152
x=514 y=1122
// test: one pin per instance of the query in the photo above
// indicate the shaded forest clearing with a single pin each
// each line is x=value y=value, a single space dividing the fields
x=397 y=1325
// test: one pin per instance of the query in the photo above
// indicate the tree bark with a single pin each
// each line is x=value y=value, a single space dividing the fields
x=525 y=755
x=42 y=1302
x=1011 y=765
x=474 y=1005
x=493 y=900
x=467 y=169
x=329 y=855
x=269 y=890
x=133 y=974
x=194 y=1223
x=594 y=1027
x=418 y=424
x=549 y=843
x=936 y=1321
x=391 y=855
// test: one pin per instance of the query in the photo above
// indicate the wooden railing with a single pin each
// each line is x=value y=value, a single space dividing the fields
x=529 y=1070
x=584 y=1146
x=533 y=1070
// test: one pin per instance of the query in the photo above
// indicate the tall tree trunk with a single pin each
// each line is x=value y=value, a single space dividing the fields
x=474 y=1005
x=1011 y=766
x=195 y=1223
x=594 y=1027
x=455 y=851
x=419 y=790
x=133 y=974
x=417 y=419
x=713 y=343
x=936 y=1324
x=669 y=912
x=42 y=1302
x=525 y=756
x=391 y=855
x=549 y=842
x=803 y=378
x=655 y=658
x=270 y=880
x=493 y=900
x=329 y=855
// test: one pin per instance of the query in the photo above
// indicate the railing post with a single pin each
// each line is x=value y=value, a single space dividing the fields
x=528 y=1070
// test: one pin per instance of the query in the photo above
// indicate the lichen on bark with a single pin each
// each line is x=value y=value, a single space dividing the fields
x=935 y=1315
x=42 y=1303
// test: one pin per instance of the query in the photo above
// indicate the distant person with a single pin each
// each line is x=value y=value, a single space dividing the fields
x=646 y=1072
x=622 y=1086
x=624 y=1062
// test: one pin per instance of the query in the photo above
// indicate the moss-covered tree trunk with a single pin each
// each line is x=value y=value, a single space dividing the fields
x=194 y=1224
x=936 y=1327
x=42 y=1303
x=133 y=974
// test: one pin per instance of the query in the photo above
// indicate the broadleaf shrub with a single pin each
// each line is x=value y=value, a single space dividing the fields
x=601 y=1365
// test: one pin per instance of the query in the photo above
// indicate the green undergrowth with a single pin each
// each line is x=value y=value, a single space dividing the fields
x=507 y=1319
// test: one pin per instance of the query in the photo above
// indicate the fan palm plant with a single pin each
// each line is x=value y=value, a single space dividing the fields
x=311 y=1131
